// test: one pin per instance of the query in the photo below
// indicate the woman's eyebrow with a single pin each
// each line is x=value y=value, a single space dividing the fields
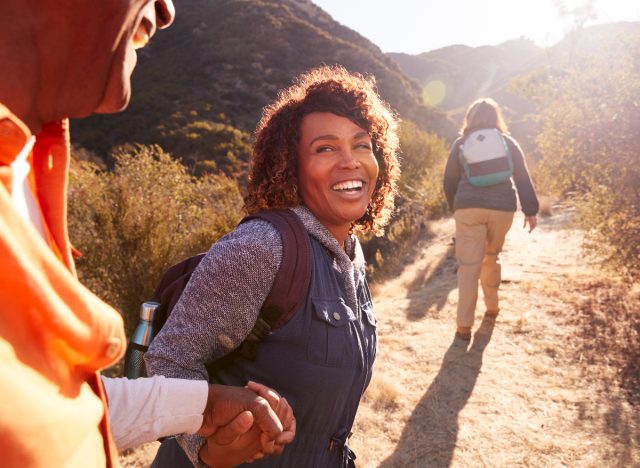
x=323 y=137
x=335 y=137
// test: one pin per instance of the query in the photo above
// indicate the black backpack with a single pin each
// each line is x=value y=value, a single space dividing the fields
x=288 y=291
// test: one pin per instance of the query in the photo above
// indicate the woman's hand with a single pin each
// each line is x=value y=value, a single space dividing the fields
x=532 y=221
x=225 y=402
x=245 y=448
x=285 y=414
x=243 y=441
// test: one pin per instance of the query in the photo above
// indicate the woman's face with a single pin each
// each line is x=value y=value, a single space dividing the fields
x=337 y=170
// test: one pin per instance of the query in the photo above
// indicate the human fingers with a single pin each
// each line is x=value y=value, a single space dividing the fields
x=289 y=432
x=278 y=403
x=265 y=392
x=267 y=444
x=288 y=420
x=225 y=402
x=257 y=456
x=238 y=426
x=245 y=447
x=263 y=416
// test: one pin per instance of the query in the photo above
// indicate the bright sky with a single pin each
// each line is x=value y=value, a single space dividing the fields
x=415 y=26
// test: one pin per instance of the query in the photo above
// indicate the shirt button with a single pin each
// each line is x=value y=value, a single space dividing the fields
x=336 y=315
x=113 y=348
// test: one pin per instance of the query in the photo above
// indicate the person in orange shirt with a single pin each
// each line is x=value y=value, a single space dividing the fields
x=60 y=60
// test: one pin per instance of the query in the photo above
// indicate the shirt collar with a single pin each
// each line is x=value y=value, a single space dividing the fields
x=14 y=135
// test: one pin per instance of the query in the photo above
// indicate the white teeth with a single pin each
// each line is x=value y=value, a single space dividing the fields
x=348 y=185
x=141 y=37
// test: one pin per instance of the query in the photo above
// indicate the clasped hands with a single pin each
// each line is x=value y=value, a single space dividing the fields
x=244 y=424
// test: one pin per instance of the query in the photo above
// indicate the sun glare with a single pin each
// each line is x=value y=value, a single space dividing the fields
x=434 y=92
x=416 y=27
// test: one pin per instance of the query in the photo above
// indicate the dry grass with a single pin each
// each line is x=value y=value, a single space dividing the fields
x=546 y=206
x=525 y=393
x=382 y=395
x=549 y=383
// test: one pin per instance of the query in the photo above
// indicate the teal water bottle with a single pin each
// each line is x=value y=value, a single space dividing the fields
x=134 y=357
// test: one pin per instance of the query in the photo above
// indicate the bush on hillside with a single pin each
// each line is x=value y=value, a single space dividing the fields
x=206 y=143
x=133 y=222
x=589 y=142
x=423 y=156
x=420 y=195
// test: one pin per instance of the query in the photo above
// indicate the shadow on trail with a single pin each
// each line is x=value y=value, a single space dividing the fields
x=429 y=437
x=432 y=285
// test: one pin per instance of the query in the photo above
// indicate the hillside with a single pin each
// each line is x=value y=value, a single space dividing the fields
x=452 y=77
x=467 y=73
x=223 y=60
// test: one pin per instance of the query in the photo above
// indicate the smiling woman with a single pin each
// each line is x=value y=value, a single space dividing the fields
x=344 y=104
x=326 y=150
x=337 y=170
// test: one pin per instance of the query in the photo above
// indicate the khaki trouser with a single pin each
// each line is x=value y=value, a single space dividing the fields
x=480 y=235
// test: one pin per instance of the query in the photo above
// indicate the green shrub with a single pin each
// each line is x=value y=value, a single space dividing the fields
x=423 y=156
x=420 y=195
x=133 y=222
x=589 y=143
x=612 y=225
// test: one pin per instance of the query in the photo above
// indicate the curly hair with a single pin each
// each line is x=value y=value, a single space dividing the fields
x=273 y=180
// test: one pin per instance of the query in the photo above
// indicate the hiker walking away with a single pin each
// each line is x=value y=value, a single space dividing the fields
x=60 y=60
x=326 y=150
x=484 y=162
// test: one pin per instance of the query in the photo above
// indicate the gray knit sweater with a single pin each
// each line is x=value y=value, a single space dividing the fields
x=221 y=302
x=502 y=197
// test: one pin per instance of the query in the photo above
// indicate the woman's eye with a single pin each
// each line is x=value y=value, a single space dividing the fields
x=365 y=146
x=324 y=149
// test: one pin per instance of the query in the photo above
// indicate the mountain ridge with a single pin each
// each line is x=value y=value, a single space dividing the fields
x=223 y=60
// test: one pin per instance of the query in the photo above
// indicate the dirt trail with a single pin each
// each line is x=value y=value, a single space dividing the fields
x=518 y=395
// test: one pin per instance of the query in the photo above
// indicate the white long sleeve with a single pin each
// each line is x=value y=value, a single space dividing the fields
x=142 y=410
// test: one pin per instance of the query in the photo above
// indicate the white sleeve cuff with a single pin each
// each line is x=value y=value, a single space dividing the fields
x=145 y=409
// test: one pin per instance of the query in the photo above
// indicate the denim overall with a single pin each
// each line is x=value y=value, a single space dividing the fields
x=321 y=362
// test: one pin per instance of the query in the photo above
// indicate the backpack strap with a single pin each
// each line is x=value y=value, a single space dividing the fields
x=294 y=275
x=288 y=291
x=289 y=287
x=171 y=285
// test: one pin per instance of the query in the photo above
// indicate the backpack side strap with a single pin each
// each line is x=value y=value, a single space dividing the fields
x=291 y=283
x=171 y=285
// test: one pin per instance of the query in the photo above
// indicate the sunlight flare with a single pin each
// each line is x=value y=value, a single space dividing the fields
x=434 y=92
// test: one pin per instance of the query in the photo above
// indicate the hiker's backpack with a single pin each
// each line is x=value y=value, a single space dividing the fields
x=486 y=158
x=289 y=288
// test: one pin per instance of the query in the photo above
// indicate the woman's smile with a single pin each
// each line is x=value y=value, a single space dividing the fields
x=337 y=170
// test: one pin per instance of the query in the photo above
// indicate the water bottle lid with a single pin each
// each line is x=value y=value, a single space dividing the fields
x=147 y=310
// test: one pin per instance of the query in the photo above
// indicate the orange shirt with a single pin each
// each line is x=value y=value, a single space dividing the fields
x=55 y=335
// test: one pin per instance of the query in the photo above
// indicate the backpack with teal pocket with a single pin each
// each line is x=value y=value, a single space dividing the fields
x=486 y=158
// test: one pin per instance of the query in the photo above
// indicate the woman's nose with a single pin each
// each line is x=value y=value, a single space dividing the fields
x=349 y=159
